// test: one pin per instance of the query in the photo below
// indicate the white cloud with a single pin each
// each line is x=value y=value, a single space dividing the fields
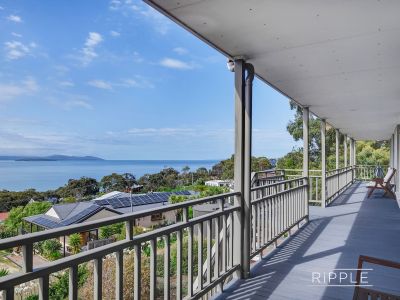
x=137 y=58
x=136 y=82
x=160 y=23
x=180 y=50
x=13 y=90
x=88 y=51
x=175 y=64
x=77 y=104
x=16 y=34
x=100 y=84
x=66 y=83
x=14 y=18
x=115 y=33
x=16 y=50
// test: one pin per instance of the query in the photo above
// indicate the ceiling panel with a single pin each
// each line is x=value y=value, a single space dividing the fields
x=341 y=58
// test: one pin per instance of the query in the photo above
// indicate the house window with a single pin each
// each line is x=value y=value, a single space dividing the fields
x=157 y=217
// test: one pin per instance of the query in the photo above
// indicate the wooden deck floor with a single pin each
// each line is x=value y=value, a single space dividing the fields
x=334 y=238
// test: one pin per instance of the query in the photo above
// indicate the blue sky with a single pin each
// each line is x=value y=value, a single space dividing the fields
x=120 y=81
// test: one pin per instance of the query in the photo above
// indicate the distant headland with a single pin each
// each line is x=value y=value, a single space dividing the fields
x=55 y=157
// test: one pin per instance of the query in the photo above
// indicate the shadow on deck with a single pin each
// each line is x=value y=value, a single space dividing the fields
x=336 y=236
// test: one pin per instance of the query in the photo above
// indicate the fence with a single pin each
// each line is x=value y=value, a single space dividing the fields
x=218 y=270
x=276 y=208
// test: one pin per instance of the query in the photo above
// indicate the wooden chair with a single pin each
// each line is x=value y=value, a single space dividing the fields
x=383 y=184
x=366 y=293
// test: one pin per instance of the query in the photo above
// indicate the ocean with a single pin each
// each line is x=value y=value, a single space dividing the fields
x=47 y=175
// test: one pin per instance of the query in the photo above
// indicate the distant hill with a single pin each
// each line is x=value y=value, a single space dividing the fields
x=55 y=157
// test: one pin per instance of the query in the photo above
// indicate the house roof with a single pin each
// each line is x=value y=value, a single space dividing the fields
x=121 y=200
x=3 y=216
x=72 y=214
x=117 y=202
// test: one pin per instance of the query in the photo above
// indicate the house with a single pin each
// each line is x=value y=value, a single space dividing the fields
x=108 y=205
x=217 y=182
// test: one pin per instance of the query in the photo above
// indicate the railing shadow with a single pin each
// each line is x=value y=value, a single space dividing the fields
x=345 y=197
x=375 y=232
x=370 y=227
x=267 y=274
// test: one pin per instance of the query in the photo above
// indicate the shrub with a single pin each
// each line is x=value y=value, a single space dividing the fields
x=4 y=272
x=110 y=230
x=75 y=243
x=51 y=249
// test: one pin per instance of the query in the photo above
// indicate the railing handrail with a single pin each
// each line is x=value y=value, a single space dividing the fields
x=264 y=198
x=64 y=263
x=76 y=228
x=276 y=183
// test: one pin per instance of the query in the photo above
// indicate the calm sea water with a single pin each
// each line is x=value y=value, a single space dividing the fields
x=45 y=175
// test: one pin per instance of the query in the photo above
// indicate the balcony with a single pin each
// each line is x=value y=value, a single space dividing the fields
x=280 y=233
x=289 y=239
x=352 y=225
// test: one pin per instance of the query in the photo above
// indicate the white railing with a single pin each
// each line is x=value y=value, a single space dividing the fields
x=337 y=181
x=218 y=270
x=314 y=183
x=276 y=208
x=367 y=172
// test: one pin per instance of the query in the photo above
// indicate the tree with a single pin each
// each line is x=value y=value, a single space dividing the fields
x=117 y=182
x=166 y=179
x=368 y=152
x=79 y=188
x=16 y=215
x=372 y=153
x=9 y=199
x=292 y=160
x=225 y=168
x=74 y=242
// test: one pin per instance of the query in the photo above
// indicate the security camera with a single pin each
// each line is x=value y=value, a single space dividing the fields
x=231 y=65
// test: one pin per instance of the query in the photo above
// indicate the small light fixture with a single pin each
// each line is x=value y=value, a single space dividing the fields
x=231 y=65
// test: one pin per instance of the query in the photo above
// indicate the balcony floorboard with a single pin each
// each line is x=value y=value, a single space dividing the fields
x=334 y=238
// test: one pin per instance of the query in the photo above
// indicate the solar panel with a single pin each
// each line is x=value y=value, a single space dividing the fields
x=45 y=222
x=126 y=202
x=84 y=213
x=115 y=202
x=151 y=198
x=102 y=202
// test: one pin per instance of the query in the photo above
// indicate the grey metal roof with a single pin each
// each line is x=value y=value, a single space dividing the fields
x=118 y=202
x=121 y=200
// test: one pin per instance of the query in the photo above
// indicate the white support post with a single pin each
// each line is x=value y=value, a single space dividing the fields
x=397 y=157
x=248 y=115
x=323 y=163
x=391 y=152
x=306 y=172
x=345 y=150
x=351 y=152
x=337 y=148
x=355 y=152
x=306 y=117
x=239 y=172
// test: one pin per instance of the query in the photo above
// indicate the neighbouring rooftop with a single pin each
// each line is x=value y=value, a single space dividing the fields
x=114 y=203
